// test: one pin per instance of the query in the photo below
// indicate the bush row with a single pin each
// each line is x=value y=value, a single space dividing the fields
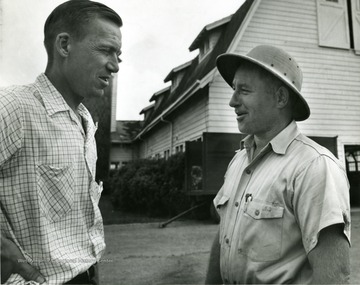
x=154 y=187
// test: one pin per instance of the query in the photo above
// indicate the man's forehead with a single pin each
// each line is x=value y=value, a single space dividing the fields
x=245 y=72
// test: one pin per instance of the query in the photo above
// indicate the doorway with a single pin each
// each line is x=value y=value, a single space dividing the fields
x=352 y=156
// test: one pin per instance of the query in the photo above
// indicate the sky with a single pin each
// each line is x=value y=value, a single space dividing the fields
x=156 y=37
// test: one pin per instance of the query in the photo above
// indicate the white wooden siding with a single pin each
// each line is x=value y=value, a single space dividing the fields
x=189 y=125
x=221 y=116
x=331 y=82
x=156 y=142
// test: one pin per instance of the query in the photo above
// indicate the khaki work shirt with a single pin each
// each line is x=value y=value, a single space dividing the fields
x=272 y=208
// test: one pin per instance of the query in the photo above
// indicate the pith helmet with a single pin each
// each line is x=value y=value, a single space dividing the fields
x=277 y=62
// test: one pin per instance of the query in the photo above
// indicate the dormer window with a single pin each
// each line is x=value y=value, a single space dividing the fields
x=177 y=74
x=205 y=48
x=147 y=111
x=208 y=37
x=158 y=97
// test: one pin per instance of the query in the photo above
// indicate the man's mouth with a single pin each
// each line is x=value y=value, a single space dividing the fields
x=240 y=115
x=104 y=80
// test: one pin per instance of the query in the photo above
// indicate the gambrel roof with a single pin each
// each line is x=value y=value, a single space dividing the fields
x=197 y=71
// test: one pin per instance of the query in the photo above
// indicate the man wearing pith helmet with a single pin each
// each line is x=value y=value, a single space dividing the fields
x=284 y=205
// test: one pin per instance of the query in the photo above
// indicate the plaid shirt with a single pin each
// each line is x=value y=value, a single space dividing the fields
x=48 y=194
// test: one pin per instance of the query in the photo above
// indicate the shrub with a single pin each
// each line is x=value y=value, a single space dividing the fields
x=154 y=187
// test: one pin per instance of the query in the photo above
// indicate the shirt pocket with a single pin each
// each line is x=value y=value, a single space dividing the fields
x=56 y=190
x=261 y=231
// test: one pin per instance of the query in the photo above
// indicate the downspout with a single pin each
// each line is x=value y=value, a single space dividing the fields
x=138 y=150
x=171 y=133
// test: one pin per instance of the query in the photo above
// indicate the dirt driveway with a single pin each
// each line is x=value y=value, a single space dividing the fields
x=146 y=254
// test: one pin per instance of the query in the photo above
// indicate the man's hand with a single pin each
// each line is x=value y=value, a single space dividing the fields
x=13 y=261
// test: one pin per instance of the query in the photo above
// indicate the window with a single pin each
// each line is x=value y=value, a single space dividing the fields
x=339 y=24
x=204 y=49
x=180 y=148
x=166 y=154
x=114 y=165
x=352 y=155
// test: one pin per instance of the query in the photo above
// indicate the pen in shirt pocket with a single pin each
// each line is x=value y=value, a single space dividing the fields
x=248 y=198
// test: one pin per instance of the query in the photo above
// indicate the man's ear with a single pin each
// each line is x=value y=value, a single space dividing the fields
x=282 y=97
x=62 y=44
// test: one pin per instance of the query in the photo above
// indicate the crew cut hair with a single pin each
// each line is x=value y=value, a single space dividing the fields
x=71 y=17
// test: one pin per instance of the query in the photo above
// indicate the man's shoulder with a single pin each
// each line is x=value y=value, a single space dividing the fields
x=309 y=150
x=18 y=96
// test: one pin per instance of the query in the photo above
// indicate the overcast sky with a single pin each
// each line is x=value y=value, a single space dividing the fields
x=156 y=38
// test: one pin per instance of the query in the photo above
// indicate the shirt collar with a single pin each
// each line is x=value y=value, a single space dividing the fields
x=279 y=143
x=53 y=100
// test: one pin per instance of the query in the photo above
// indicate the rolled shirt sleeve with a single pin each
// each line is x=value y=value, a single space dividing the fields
x=321 y=199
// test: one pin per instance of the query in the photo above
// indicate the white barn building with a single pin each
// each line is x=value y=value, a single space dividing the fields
x=323 y=36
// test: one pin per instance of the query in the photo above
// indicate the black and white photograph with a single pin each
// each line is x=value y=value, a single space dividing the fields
x=180 y=142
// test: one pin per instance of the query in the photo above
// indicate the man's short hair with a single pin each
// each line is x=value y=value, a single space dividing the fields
x=71 y=17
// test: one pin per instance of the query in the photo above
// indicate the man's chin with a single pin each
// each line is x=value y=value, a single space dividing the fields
x=97 y=93
x=242 y=129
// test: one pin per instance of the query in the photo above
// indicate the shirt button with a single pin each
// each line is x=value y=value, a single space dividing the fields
x=236 y=204
x=257 y=212
x=248 y=171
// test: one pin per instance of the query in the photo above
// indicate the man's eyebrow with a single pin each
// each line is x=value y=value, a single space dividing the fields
x=239 y=85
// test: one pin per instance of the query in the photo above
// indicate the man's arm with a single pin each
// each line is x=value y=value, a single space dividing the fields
x=13 y=261
x=330 y=259
x=213 y=275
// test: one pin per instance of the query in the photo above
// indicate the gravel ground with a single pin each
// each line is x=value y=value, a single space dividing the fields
x=178 y=254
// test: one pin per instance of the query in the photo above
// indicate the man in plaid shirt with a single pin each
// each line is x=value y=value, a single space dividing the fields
x=51 y=226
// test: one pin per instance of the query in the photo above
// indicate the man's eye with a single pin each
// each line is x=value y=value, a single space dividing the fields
x=105 y=51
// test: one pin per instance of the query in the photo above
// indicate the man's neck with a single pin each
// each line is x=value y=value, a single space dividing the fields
x=262 y=140
x=57 y=80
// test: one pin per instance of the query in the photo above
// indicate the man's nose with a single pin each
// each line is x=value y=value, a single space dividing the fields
x=235 y=100
x=113 y=66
